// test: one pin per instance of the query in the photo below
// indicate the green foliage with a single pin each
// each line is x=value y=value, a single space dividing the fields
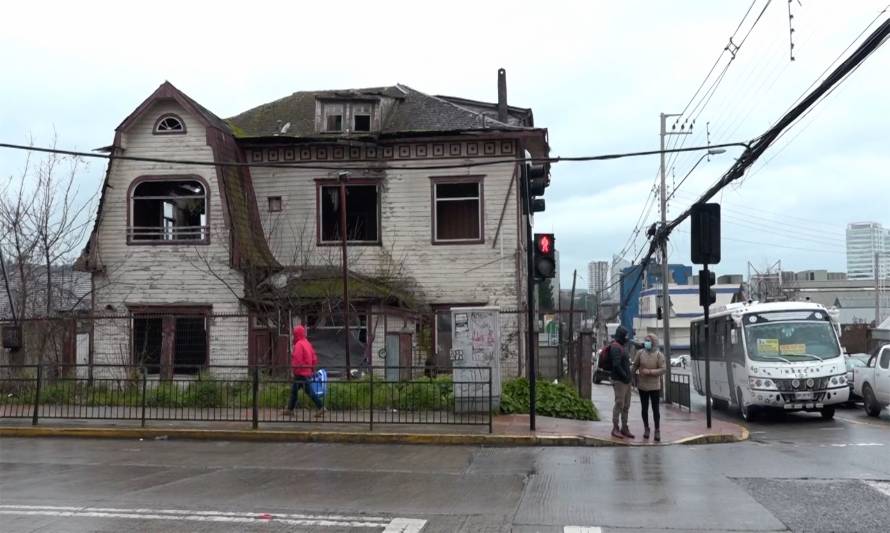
x=558 y=400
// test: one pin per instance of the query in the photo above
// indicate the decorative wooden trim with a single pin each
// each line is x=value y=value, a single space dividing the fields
x=169 y=177
x=436 y=180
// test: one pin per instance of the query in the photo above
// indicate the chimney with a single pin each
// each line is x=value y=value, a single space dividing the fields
x=502 y=95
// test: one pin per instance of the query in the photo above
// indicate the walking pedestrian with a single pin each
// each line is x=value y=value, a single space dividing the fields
x=651 y=366
x=303 y=363
x=620 y=376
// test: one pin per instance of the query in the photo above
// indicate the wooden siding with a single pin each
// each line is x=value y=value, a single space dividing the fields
x=166 y=274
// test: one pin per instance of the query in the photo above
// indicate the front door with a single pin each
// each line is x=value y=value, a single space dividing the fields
x=392 y=356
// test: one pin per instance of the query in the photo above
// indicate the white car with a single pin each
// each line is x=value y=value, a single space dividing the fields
x=872 y=382
x=681 y=361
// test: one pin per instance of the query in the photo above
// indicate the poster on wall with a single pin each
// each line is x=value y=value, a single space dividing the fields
x=476 y=352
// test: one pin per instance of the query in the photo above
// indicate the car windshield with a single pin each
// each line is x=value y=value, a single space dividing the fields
x=807 y=340
x=853 y=362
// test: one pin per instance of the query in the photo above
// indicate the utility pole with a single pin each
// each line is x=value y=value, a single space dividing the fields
x=877 y=289
x=573 y=357
x=343 y=176
x=665 y=271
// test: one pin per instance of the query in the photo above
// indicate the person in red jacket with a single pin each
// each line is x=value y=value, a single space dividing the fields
x=303 y=363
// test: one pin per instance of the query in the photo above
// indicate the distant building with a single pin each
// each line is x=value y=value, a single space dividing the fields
x=597 y=278
x=615 y=269
x=864 y=240
x=634 y=281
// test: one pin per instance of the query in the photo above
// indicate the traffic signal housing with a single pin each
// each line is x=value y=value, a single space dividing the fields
x=706 y=293
x=538 y=179
x=545 y=256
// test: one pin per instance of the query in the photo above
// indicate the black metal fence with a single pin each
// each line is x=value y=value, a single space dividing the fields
x=250 y=394
x=680 y=390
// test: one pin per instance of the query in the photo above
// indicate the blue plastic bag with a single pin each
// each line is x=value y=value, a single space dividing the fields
x=319 y=383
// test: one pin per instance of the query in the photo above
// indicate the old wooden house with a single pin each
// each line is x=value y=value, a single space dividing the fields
x=212 y=261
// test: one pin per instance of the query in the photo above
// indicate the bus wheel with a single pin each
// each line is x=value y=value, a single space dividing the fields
x=747 y=412
x=827 y=412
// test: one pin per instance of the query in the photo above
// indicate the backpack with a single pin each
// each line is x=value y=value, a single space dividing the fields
x=604 y=362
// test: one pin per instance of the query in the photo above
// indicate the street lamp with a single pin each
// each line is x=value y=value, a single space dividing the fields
x=712 y=151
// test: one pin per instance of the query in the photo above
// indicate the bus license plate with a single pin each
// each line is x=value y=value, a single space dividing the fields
x=804 y=396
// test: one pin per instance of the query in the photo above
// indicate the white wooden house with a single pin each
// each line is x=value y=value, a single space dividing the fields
x=212 y=263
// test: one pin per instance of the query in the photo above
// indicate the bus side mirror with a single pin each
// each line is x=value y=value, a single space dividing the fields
x=734 y=336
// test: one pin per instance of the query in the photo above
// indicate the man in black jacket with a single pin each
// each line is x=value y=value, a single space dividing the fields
x=621 y=377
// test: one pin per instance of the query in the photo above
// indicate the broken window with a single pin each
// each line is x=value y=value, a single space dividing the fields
x=457 y=211
x=175 y=342
x=362 y=123
x=169 y=211
x=335 y=123
x=274 y=204
x=169 y=124
x=362 y=213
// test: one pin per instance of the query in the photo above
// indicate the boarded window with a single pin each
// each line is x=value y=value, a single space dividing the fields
x=457 y=211
x=168 y=211
x=362 y=213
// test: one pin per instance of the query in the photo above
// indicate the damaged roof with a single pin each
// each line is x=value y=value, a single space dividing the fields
x=405 y=110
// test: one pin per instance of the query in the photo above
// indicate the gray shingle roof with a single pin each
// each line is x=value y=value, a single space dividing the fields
x=411 y=112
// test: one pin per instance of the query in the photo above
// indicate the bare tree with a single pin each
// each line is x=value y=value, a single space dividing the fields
x=16 y=238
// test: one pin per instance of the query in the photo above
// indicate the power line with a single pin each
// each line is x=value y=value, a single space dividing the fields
x=774 y=245
x=357 y=165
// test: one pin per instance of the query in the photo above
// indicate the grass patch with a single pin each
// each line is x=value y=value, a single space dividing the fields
x=552 y=399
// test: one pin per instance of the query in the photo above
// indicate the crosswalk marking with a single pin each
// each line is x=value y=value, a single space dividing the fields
x=582 y=529
x=880 y=486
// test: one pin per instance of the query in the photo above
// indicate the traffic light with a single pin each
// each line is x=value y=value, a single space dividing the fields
x=538 y=179
x=545 y=256
x=706 y=294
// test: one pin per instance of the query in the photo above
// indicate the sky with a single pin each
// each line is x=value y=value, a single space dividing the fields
x=596 y=74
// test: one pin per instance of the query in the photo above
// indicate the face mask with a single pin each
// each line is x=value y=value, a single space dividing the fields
x=647 y=345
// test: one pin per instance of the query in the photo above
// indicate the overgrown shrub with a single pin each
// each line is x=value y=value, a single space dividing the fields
x=552 y=399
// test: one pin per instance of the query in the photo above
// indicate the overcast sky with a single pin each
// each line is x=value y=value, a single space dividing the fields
x=597 y=75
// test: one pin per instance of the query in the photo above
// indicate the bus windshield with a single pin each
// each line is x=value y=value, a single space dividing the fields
x=790 y=341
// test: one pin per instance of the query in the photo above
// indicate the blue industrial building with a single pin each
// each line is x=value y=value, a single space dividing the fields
x=633 y=283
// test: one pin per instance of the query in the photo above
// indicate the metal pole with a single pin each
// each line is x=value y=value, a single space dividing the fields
x=343 y=176
x=573 y=370
x=530 y=297
x=144 y=386
x=371 y=393
x=665 y=271
x=877 y=290
x=707 y=358
x=255 y=392
x=37 y=396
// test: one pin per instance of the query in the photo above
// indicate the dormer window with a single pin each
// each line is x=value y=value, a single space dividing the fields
x=169 y=124
x=339 y=116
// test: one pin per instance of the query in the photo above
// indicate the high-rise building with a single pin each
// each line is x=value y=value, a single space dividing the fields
x=597 y=278
x=864 y=240
x=618 y=265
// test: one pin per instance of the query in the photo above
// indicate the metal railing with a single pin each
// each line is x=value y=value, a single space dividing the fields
x=250 y=394
x=680 y=392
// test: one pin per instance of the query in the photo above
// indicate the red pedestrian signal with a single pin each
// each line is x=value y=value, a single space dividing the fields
x=545 y=257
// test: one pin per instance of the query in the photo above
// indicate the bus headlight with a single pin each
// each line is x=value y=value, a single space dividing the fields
x=839 y=381
x=762 y=384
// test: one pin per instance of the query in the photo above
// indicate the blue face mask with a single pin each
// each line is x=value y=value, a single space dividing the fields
x=647 y=345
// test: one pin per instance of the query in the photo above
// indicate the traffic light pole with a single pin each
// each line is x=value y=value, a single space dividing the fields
x=530 y=298
x=707 y=351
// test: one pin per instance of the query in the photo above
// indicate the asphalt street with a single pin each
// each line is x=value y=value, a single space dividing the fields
x=797 y=473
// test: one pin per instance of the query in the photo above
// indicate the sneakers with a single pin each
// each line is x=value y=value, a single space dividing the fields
x=626 y=432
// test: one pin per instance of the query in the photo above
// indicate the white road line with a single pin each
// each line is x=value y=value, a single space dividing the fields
x=394 y=525
x=405 y=525
x=581 y=529
x=880 y=486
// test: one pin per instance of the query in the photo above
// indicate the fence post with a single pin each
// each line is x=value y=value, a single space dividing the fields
x=144 y=387
x=37 y=396
x=255 y=399
x=490 y=404
x=371 y=388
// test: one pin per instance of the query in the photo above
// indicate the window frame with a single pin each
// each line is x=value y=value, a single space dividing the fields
x=448 y=180
x=156 y=131
x=270 y=199
x=168 y=314
x=161 y=242
x=321 y=183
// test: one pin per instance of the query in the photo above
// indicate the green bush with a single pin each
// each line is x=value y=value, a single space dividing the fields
x=552 y=399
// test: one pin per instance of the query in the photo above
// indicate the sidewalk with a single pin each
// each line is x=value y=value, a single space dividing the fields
x=678 y=427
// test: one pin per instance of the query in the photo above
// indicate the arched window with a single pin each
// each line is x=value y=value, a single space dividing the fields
x=168 y=211
x=169 y=123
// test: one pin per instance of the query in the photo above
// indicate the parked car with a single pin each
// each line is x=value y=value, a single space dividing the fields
x=851 y=363
x=872 y=381
x=598 y=374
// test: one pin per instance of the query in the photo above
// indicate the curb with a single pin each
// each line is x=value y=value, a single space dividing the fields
x=340 y=437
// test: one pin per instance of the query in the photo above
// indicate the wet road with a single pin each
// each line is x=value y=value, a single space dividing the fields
x=798 y=473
